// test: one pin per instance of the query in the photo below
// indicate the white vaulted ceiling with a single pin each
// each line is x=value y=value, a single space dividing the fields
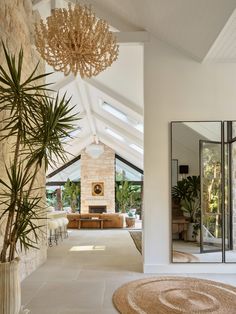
x=224 y=47
x=124 y=93
x=189 y=25
x=120 y=88
x=201 y=29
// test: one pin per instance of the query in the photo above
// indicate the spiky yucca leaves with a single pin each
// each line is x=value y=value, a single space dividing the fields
x=16 y=201
x=19 y=99
x=37 y=124
x=54 y=122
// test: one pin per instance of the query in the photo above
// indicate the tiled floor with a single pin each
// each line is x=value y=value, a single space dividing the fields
x=82 y=273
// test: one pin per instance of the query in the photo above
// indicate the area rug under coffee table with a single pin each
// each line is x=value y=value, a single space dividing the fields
x=178 y=257
x=175 y=295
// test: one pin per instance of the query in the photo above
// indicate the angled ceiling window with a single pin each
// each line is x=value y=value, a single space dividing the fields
x=117 y=113
x=137 y=148
x=127 y=171
x=114 y=134
x=72 y=134
x=139 y=127
x=72 y=172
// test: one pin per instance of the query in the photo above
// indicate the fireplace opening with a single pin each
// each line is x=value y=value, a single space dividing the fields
x=97 y=209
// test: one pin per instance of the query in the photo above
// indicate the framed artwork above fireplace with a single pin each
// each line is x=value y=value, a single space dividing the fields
x=98 y=189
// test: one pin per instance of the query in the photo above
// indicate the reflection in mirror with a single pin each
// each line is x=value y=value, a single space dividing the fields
x=230 y=190
x=196 y=197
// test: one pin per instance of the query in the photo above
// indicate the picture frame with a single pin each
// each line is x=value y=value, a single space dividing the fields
x=98 y=189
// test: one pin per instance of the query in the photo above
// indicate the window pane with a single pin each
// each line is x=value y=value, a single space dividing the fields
x=126 y=172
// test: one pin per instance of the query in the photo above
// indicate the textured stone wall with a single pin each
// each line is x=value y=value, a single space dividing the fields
x=16 y=30
x=101 y=169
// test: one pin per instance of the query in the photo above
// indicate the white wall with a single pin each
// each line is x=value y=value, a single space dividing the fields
x=125 y=76
x=176 y=88
x=185 y=147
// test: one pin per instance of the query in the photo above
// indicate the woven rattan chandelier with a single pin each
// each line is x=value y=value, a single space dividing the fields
x=74 y=40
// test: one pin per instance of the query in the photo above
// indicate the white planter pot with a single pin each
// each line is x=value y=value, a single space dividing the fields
x=10 y=293
x=124 y=215
x=190 y=232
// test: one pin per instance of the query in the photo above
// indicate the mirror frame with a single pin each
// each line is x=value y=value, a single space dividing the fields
x=222 y=190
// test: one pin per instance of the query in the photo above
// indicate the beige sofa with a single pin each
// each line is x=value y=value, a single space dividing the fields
x=111 y=220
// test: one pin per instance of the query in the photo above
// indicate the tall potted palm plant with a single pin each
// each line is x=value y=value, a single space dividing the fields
x=123 y=196
x=33 y=125
x=71 y=193
x=128 y=196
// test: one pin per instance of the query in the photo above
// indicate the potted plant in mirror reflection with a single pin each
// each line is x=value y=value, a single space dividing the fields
x=33 y=126
x=187 y=194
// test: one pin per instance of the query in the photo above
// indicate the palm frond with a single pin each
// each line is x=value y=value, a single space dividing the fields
x=36 y=124
x=54 y=122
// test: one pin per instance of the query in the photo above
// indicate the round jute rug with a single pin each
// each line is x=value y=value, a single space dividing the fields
x=181 y=257
x=174 y=295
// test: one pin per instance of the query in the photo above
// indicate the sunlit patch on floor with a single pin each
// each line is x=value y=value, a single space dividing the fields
x=88 y=248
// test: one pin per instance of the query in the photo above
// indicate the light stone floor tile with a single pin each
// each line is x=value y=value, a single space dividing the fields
x=75 y=282
x=30 y=288
x=103 y=274
x=48 y=311
x=83 y=281
x=66 y=295
x=43 y=274
x=111 y=286
x=84 y=311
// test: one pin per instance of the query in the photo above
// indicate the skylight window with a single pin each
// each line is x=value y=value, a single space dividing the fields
x=137 y=148
x=73 y=134
x=121 y=116
x=115 y=112
x=114 y=134
x=139 y=127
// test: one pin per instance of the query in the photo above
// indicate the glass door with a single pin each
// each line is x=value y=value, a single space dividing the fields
x=230 y=191
x=211 y=208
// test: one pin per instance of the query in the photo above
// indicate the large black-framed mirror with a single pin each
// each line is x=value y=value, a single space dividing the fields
x=196 y=199
x=203 y=200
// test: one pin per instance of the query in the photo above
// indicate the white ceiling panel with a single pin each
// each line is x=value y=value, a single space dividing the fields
x=192 y=26
x=224 y=48
x=128 y=68
x=98 y=96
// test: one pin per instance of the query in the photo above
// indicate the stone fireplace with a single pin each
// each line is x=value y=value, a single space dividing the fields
x=98 y=173
x=97 y=209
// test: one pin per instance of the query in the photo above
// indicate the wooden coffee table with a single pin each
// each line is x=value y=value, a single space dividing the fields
x=93 y=220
